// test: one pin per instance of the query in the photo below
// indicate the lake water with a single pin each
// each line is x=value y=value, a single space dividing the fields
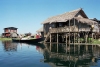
x=48 y=55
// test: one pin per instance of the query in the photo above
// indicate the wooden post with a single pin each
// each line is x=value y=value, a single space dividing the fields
x=57 y=47
x=86 y=48
x=50 y=37
x=79 y=49
x=92 y=35
x=57 y=37
x=74 y=31
x=66 y=47
x=50 y=46
x=77 y=37
x=78 y=34
x=69 y=31
x=74 y=48
x=86 y=37
x=92 y=47
x=66 y=38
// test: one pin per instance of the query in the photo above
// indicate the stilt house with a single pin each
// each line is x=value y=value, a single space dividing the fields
x=70 y=24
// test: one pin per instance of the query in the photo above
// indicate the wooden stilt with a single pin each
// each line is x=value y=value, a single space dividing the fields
x=92 y=48
x=92 y=35
x=69 y=31
x=74 y=48
x=57 y=37
x=86 y=37
x=50 y=46
x=66 y=38
x=66 y=47
x=79 y=49
x=78 y=33
x=74 y=30
x=50 y=37
x=86 y=48
x=57 y=47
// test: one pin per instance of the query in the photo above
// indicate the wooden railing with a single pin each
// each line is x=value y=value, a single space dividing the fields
x=63 y=29
x=68 y=29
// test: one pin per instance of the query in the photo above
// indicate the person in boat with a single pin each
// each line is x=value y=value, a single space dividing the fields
x=38 y=36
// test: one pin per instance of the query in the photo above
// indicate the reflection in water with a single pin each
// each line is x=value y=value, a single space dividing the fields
x=55 y=55
x=39 y=47
x=71 y=55
x=9 y=46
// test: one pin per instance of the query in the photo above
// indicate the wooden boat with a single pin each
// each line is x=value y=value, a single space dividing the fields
x=30 y=40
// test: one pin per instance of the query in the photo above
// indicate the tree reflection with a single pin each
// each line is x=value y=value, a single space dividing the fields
x=9 y=46
x=64 y=55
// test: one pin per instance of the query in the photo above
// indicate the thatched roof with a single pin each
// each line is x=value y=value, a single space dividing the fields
x=85 y=20
x=40 y=30
x=64 y=17
x=70 y=15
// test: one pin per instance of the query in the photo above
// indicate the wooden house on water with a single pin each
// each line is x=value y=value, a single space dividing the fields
x=69 y=27
x=10 y=32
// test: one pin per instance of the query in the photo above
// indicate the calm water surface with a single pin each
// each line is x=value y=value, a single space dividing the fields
x=48 y=55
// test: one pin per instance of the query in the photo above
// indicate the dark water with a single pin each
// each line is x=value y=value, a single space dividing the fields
x=48 y=55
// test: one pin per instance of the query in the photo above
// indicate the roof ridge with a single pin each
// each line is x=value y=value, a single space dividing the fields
x=76 y=10
x=67 y=12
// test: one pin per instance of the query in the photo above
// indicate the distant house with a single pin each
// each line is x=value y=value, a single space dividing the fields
x=10 y=32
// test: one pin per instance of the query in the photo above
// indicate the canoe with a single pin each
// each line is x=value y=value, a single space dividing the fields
x=31 y=40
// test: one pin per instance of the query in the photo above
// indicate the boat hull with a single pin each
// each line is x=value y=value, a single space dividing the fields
x=28 y=40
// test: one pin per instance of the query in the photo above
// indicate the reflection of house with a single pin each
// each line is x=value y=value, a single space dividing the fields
x=10 y=32
x=9 y=46
x=62 y=26
x=78 y=55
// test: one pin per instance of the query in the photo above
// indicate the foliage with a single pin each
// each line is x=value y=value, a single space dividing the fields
x=95 y=41
x=4 y=39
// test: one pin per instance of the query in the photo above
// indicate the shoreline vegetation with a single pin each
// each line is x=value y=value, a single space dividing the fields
x=94 y=41
x=5 y=39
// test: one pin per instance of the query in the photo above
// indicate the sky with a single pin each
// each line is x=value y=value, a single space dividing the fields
x=27 y=15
